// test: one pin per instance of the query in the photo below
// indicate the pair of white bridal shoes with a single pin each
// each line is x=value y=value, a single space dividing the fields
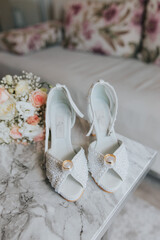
x=67 y=169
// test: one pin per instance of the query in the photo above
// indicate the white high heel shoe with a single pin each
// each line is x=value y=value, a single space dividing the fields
x=66 y=170
x=107 y=155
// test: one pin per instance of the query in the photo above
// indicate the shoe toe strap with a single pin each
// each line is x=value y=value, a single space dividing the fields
x=99 y=164
x=121 y=165
x=58 y=170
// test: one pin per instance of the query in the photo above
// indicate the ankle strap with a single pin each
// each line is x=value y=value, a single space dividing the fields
x=78 y=112
x=74 y=109
x=111 y=94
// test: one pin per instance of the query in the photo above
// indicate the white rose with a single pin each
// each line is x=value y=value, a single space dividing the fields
x=25 y=109
x=9 y=79
x=7 y=109
x=30 y=131
x=4 y=133
x=22 y=87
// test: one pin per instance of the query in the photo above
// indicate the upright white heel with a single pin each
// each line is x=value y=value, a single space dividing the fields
x=66 y=169
x=107 y=155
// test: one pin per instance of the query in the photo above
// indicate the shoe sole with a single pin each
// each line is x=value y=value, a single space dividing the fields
x=73 y=200
x=101 y=187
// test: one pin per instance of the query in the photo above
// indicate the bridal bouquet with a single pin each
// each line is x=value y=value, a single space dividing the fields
x=22 y=109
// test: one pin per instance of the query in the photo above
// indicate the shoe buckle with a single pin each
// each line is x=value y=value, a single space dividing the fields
x=67 y=165
x=110 y=159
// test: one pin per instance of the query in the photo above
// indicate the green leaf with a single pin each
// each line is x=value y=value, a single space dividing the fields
x=43 y=89
x=150 y=55
x=120 y=42
x=125 y=16
x=108 y=39
x=121 y=32
x=135 y=48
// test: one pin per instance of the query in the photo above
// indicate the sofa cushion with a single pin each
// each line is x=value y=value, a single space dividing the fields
x=29 y=39
x=151 y=42
x=59 y=6
x=110 y=28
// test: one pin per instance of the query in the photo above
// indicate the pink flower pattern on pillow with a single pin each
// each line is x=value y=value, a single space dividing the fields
x=87 y=30
x=152 y=27
x=111 y=14
x=137 y=19
x=151 y=42
x=76 y=8
x=110 y=28
x=29 y=39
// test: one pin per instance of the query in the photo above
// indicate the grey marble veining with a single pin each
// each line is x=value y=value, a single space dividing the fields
x=30 y=209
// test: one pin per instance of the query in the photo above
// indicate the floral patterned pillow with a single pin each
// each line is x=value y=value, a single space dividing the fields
x=151 y=42
x=109 y=28
x=23 y=41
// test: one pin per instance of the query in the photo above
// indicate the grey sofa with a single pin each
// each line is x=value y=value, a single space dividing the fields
x=137 y=85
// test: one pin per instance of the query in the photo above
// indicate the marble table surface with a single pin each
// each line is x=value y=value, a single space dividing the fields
x=30 y=209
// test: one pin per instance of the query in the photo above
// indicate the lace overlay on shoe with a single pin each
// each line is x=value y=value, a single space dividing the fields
x=57 y=176
x=98 y=167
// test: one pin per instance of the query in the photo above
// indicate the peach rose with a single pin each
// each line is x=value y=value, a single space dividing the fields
x=14 y=133
x=4 y=95
x=38 y=98
x=40 y=137
x=33 y=120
